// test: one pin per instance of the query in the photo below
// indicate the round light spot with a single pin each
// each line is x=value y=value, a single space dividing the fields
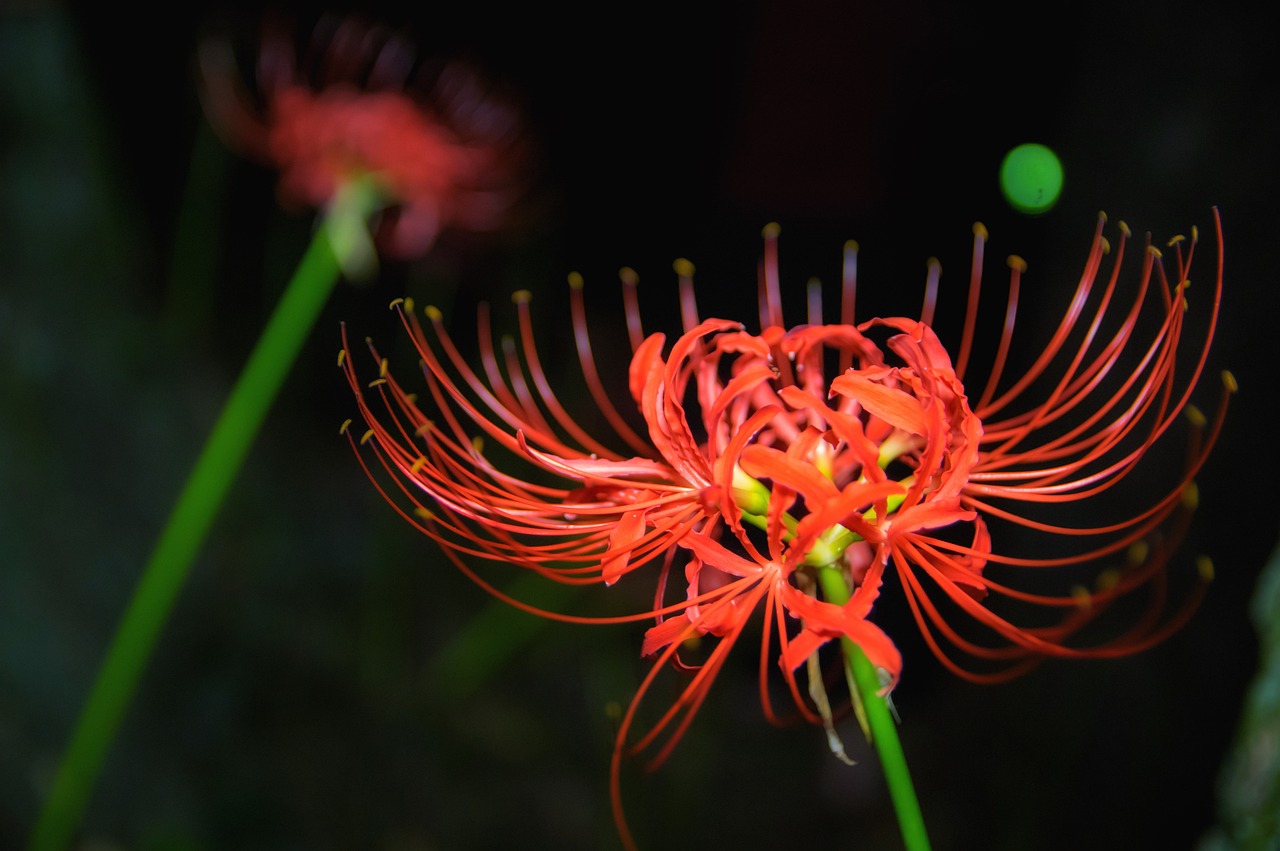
x=1031 y=178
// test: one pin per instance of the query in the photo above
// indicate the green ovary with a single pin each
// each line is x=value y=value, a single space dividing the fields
x=752 y=498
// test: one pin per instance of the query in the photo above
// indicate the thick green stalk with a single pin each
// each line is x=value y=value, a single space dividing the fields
x=884 y=732
x=197 y=505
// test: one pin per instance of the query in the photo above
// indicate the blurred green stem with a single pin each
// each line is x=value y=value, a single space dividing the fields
x=342 y=240
x=884 y=732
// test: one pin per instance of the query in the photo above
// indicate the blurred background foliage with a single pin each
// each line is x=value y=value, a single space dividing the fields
x=328 y=680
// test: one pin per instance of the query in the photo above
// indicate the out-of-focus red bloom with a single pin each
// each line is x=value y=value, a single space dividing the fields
x=854 y=446
x=442 y=153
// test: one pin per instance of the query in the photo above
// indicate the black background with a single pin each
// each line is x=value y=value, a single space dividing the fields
x=298 y=699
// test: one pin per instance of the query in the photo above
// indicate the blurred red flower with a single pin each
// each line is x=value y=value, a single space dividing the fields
x=768 y=457
x=442 y=153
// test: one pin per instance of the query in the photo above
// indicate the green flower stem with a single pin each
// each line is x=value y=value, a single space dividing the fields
x=198 y=503
x=884 y=733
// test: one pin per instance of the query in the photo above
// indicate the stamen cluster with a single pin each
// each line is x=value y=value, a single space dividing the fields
x=766 y=458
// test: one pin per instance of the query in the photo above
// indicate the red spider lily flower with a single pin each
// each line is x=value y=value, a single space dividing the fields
x=442 y=155
x=767 y=458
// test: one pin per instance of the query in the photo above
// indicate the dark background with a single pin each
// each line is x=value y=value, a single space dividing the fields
x=315 y=688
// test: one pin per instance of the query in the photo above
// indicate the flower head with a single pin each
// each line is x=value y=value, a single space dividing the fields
x=441 y=154
x=774 y=461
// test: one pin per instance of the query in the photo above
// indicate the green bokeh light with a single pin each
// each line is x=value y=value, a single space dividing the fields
x=1031 y=178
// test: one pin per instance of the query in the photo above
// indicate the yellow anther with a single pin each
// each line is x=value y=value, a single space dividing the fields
x=521 y=297
x=408 y=305
x=346 y=424
x=1107 y=580
x=1195 y=234
x=933 y=263
x=423 y=513
x=851 y=245
x=1204 y=566
x=1191 y=496
x=692 y=642
x=575 y=281
x=771 y=230
x=421 y=430
x=477 y=444
x=1124 y=228
x=683 y=267
x=1154 y=252
x=377 y=381
x=1106 y=245
x=628 y=276
x=1082 y=597
x=365 y=438
x=433 y=313
x=417 y=465
x=382 y=368
x=980 y=231
x=1174 y=241
x=1017 y=264
x=1229 y=381
x=342 y=357
x=411 y=398
x=1195 y=416
x=1138 y=552
x=395 y=302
